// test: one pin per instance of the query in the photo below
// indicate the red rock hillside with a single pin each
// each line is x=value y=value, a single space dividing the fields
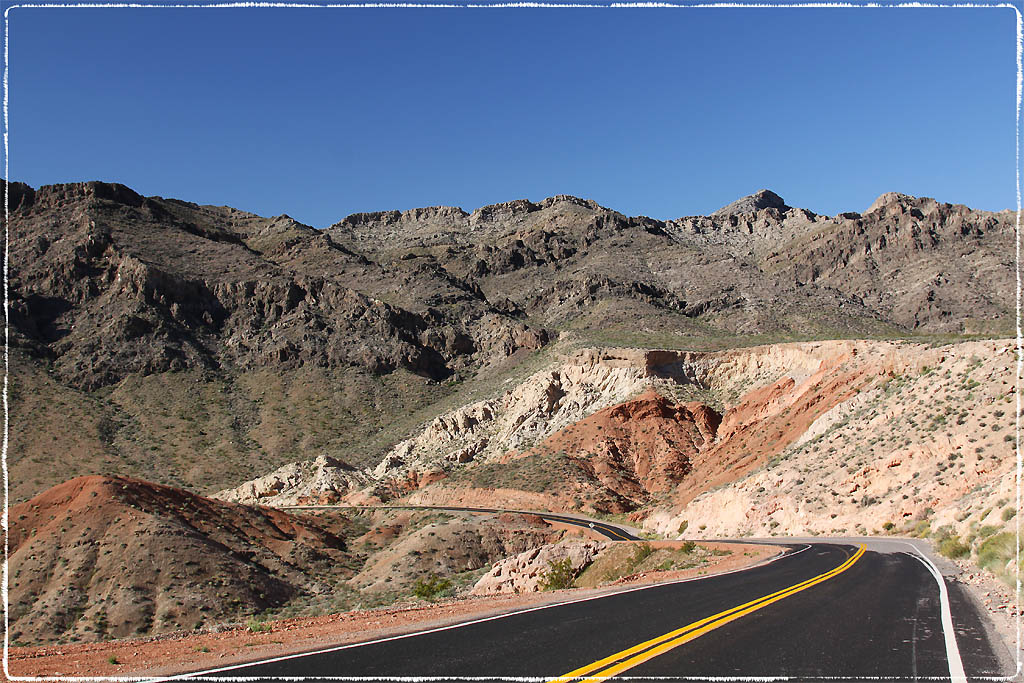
x=99 y=557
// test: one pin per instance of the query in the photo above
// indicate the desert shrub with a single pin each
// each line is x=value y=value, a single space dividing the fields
x=430 y=587
x=888 y=526
x=987 y=530
x=687 y=547
x=558 y=575
x=641 y=552
x=682 y=527
x=1008 y=514
x=255 y=624
x=994 y=553
x=112 y=660
x=952 y=546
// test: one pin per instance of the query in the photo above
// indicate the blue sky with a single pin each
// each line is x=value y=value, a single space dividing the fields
x=319 y=113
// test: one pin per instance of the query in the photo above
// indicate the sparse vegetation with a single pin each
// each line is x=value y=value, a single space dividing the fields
x=559 y=574
x=431 y=587
x=256 y=624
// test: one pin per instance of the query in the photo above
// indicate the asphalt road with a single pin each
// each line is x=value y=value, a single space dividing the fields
x=823 y=610
x=607 y=530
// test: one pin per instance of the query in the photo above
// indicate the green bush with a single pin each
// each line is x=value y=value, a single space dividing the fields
x=1008 y=514
x=558 y=575
x=888 y=526
x=431 y=587
x=641 y=553
x=682 y=527
x=951 y=547
x=687 y=547
x=995 y=552
x=256 y=624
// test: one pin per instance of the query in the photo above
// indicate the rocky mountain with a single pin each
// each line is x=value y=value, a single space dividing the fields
x=756 y=266
x=108 y=284
x=650 y=431
x=203 y=346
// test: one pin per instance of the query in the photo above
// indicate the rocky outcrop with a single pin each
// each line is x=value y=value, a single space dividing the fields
x=528 y=571
x=762 y=199
x=322 y=481
x=449 y=548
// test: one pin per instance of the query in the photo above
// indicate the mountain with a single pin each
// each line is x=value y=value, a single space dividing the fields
x=202 y=346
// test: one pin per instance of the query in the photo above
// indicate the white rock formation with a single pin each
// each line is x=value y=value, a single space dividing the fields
x=523 y=573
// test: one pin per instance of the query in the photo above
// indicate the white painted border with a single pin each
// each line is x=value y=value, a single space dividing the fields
x=956 y=665
x=4 y=522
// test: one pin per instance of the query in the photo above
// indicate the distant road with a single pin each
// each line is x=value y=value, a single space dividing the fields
x=608 y=530
x=819 y=610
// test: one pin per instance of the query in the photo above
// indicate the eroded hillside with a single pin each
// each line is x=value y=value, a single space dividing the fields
x=102 y=557
x=804 y=438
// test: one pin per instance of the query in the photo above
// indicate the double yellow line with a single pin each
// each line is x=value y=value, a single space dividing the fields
x=615 y=664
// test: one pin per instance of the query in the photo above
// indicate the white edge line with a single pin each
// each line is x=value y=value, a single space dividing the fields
x=956 y=665
x=455 y=626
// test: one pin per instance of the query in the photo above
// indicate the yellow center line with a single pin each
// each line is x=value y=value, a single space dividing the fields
x=649 y=649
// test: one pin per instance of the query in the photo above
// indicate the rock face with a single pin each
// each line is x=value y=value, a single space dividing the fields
x=525 y=572
x=623 y=455
x=110 y=556
x=108 y=283
x=481 y=431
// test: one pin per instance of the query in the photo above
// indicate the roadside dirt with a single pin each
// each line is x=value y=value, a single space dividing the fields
x=235 y=644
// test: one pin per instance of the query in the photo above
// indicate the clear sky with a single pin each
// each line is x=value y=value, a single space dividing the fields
x=321 y=112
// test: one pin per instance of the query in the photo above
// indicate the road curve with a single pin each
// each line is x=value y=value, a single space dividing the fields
x=821 y=609
x=609 y=531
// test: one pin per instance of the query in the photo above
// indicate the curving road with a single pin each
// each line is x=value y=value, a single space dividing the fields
x=610 y=531
x=820 y=610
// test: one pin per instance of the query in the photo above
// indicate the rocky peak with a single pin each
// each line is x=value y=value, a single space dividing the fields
x=493 y=212
x=570 y=199
x=889 y=198
x=19 y=195
x=367 y=218
x=762 y=199
x=94 y=189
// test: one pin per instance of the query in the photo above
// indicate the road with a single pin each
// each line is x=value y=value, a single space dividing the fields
x=820 y=610
x=607 y=530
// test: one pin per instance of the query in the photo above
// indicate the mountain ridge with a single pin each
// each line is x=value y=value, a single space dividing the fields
x=111 y=290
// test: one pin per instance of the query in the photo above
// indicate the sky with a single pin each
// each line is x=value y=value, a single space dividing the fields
x=664 y=112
